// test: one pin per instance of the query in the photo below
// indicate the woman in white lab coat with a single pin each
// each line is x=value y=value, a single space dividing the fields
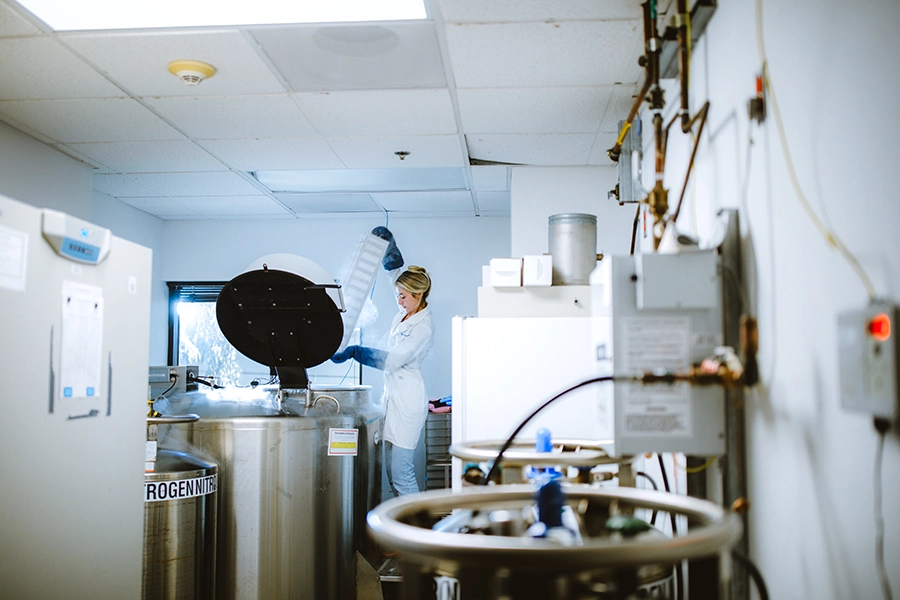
x=410 y=339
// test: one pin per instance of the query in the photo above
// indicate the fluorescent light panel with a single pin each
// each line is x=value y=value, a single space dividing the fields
x=70 y=15
x=326 y=181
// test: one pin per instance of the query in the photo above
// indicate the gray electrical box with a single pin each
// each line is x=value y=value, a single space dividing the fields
x=677 y=324
x=869 y=359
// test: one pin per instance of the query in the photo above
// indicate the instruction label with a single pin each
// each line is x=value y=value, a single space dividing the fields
x=343 y=442
x=657 y=410
x=13 y=258
x=158 y=491
x=81 y=354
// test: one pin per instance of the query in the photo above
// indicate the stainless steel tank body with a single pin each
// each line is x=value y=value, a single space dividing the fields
x=573 y=246
x=179 y=528
x=291 y=511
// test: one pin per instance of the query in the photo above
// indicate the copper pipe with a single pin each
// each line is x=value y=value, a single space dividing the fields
x=701 y=114
x=614 y=152
x=684 y=64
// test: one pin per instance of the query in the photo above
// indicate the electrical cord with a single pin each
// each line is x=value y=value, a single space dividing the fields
x=882 y=426
x=509 y=441
x=679 y=576
x=169 y=389
x=653 y=483
x=755 y=574
x=830 y=236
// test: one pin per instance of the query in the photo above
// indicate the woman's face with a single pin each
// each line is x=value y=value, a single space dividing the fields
x=408 y=301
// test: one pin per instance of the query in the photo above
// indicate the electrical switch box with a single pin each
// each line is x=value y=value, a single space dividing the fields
x=869 y=359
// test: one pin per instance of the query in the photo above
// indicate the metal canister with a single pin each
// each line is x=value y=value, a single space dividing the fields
x=573 y=246
x=180 y=528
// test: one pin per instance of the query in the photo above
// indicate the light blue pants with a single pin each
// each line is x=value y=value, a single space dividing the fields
x=401 y=470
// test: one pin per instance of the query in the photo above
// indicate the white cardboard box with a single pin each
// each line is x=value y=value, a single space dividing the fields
x=537 y=270
x=506 y=272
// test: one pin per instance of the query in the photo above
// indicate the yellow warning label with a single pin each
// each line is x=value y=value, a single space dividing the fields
x=343 y=442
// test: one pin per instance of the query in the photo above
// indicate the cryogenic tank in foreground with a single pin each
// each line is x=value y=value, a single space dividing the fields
x=179 y=528
x=299 y=467
x=295 y=484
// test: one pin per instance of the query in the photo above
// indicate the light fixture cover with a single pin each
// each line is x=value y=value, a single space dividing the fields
x=66 y=15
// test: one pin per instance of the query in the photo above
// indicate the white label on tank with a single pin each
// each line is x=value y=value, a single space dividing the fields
x=343 y=442
x=13 y=258
x=158 y=491
x=656 y=410
x=656 y=343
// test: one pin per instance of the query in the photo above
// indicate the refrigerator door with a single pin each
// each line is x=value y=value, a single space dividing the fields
x=74 y=362
x=504 y=368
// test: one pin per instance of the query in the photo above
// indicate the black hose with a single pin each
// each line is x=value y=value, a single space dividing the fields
x=521 y=426
x=679 y=576
x=653 y=483
x=754 y=574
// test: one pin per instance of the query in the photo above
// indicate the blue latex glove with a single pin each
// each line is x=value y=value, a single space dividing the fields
x=370 y=357
x=392 y=257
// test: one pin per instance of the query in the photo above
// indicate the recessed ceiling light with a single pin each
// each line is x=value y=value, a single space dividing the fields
x=66 y=15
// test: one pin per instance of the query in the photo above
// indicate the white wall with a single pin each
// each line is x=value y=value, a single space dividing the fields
x=35 y=173
x=833 y=66
x=453 y=250
x=137 y=226
x=539 y=192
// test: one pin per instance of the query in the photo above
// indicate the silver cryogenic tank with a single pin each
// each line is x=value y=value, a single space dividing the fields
x=295 y=484
x=179 y=528
x=299 y=466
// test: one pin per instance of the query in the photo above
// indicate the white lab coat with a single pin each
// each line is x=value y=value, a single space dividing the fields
x=405 y=402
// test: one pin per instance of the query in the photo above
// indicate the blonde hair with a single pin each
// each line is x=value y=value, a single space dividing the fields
x=416 y=280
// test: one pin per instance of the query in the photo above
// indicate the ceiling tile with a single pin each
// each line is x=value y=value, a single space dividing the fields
x=164 y=208
x=95 y=120
x=505 y=11
x=619 y=106
x=139 y=61
x=330 y=203
x=249 y=206
x=121 y=186
x=39 y=68
x=490 y=178
x=380 y=112
x=234 y=117
x=532 y=149
x=571 y=53
x=11 y=23
x=424 y=202
x=494 y=202
x=379 y=152
x=197 y=184
x=533 y=110
x=355 y=56
x=150 y=157
x=275 y=154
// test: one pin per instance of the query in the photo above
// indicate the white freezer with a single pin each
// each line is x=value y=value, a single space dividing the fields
x=74 y=362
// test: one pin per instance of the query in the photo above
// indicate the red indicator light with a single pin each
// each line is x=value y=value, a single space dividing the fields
x=880 y=327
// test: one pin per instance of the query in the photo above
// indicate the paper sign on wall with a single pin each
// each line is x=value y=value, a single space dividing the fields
x=343 y=442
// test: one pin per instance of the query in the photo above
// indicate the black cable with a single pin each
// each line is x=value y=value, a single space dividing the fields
x=653 y=483
x=882 y=426
x=204 y=382
x=521 y=426
x=679 y=576
x=174 y=381
x=754 y=574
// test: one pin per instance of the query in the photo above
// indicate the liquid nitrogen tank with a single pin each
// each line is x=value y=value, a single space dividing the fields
x=299 y=465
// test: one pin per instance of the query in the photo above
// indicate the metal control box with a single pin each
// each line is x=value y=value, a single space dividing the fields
x=660 y=312
x=869 y=359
